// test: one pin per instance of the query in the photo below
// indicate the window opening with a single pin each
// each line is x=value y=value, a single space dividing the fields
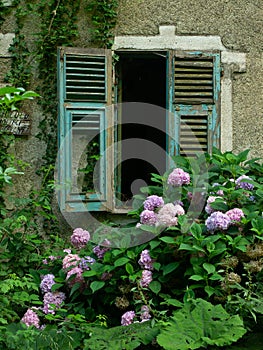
x=142 y=80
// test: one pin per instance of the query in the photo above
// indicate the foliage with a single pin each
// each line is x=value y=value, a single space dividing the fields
x=200 y=324
x=11 y=96
x=183 y=271
x=104 y=19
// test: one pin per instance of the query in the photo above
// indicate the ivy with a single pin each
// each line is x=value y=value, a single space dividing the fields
x=104 y=18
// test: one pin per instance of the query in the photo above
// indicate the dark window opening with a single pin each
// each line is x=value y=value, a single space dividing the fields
x=142 y=131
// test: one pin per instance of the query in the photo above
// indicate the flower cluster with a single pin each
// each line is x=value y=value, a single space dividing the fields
x=153 y=202
x=178 y=177
x=217 y=221
x=127 y=318
x=52 y=300
x=80 y=238
x=47 y=282
x=146 y=264
x=240 y=183
x=30 y=318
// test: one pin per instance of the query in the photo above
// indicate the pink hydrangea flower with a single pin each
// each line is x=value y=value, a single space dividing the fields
x=167 y=215
x=148 y=217
x=235 y=214
x=30 y=318
x=145 y=313
x=179 y=209
x=178 y=177
x=70 y=260
x=146 y=278
x=77 y=273
x=145 y=260
x=80 y=238
x=127 y=318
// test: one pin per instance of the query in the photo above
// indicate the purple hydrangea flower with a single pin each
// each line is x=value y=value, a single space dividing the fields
x=70 y=260
x=179 y=209
x=167 y=215
x=47 y=282
x=217 y=221
x=178 y=177
x=77 y=273
x=127 y=318
x=146 y=278
x=145 y=260
x=86 y=262
x=240 y=183
x=148 y=217
x=145 y=313
x=30 y=318
x=52 y=300
x=100 y=251
x=153 y=202
x=80 y=238
x=235 y=214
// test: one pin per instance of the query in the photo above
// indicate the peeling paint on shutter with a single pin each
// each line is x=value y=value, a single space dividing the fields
x=194 y=97
x=85 y=129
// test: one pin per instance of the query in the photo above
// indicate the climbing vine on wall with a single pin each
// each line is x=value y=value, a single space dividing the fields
x=54 y=24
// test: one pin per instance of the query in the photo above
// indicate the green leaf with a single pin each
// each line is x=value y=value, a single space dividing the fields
x=155 y=286
x=199 y=325
x=121 y=261
x=129 y=268
x=167 y=239
x=196 y=278
x=209 y=268
x=96 y=285
x=56 y=286
x=170 y=267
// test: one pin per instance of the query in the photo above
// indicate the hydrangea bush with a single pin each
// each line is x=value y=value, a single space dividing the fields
x=205 y=228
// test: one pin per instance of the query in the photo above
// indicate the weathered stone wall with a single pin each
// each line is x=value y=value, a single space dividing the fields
x=239 y=23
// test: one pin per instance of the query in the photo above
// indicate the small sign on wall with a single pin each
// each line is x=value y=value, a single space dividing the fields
x=14 y=122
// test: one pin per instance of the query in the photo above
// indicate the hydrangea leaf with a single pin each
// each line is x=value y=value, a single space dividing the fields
x=199 y=326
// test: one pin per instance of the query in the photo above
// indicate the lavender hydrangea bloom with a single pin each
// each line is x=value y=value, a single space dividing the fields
x=47 y=282
x=52 y=300
x=148 y=217
x=145 y=260
x=127 y=318
x=242 y=184
x=217 y=221
x=179 y=209
x=178 y=177
x=70 y=260
x=80 y=238
x=86 y=262
x=146 y=278
x=145 y=313
x=167 y=215
x=235 y=214
x=100 y=251
x=153 y=202
x=30 y=318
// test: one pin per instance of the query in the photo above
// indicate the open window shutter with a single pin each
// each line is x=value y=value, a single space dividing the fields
x=85 y=129
x=194 y=92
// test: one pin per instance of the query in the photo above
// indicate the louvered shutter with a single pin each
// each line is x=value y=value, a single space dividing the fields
x=85 y=129
x=194 y=92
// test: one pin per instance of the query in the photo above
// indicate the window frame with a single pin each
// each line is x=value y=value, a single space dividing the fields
x=79 y=204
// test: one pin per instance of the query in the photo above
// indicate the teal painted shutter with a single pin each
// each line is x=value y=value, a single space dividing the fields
x=194 y=96
x=85 y=129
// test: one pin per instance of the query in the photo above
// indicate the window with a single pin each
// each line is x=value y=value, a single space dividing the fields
x=115 y=131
